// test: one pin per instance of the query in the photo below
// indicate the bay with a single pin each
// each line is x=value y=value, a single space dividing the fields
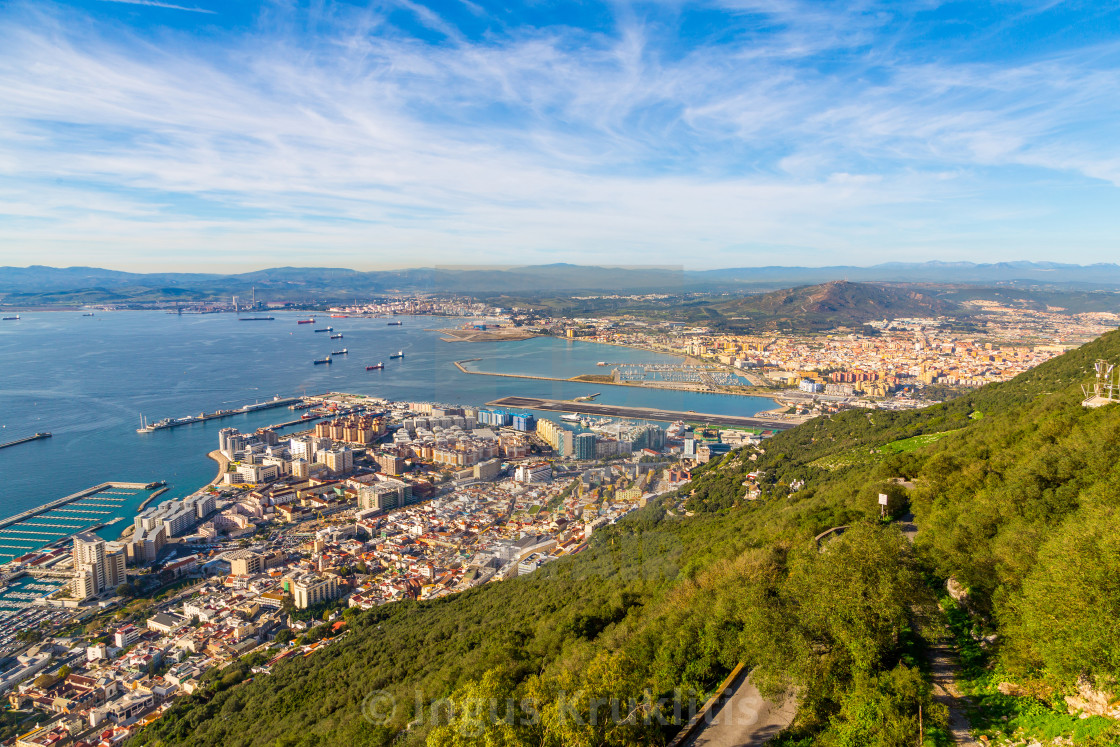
x=87 y=380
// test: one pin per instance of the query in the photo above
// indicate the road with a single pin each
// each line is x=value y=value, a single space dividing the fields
x=743 y=718
x=641 y=413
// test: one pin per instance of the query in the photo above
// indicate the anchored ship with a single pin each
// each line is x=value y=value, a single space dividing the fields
x=399 y=354
x=378 y=367
x=340 y=352
x=322 y=360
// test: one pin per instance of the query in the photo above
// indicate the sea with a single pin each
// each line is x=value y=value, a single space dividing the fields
x=89 y=379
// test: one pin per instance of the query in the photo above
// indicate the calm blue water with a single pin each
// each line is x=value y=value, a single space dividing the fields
x=88 y=379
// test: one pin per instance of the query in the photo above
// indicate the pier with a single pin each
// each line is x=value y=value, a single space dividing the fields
x=151 y=498
x=203 y=417
x=19 y=441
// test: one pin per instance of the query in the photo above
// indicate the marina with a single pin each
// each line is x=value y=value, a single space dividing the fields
x=86 y=510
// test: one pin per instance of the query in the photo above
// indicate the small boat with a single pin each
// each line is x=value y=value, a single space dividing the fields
x=325 y=329
x=306 y=321
x=393 y=324
x=12 y=318
x=378 y=367
x=336 y=337
x=340 y=352
x=322 y=360
x=399 y=354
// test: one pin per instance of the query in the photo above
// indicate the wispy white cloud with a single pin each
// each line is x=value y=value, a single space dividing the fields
x=157 y=4
x=361 y=145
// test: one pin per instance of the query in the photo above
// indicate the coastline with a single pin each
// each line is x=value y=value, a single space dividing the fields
x=223 y=467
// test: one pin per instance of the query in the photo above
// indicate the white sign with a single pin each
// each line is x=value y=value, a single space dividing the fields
x=882 y=499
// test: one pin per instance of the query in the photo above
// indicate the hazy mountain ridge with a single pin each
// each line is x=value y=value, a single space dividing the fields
x=40 y=284
x=846 y=301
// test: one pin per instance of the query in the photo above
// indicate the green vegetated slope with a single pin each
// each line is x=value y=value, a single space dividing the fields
x=1018 y=505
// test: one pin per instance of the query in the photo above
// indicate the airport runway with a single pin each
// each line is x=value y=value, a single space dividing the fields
x=640 y=413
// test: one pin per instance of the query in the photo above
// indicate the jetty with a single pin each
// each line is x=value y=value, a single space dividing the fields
x=19 y=441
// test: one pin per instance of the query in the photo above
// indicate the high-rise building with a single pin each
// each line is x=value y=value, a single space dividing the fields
x=584 y=446
x=311 y=589
x=96 y=568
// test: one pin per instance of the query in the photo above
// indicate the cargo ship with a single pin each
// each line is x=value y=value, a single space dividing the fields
x=322 y=360
x=344 y=351
x=340 y=316
x=12 y=318
x=89 y=314
x=399 y=354
x=325 y=329
x=393 y=324
x=306 y=321
x=337 y=337
x=256 y=318
x=378 y=367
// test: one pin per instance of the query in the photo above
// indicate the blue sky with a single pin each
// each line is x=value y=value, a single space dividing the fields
x=232 y=135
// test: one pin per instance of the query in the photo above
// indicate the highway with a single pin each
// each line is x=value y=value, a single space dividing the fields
x=640 y=413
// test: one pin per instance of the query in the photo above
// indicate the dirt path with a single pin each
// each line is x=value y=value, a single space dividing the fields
x=943 y=672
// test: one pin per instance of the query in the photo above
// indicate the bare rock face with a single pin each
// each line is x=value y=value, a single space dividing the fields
x=1092 y=702
x=1010 y=688
x=957 y=591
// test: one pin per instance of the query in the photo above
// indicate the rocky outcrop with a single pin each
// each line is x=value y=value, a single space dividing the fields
x=1092 y=702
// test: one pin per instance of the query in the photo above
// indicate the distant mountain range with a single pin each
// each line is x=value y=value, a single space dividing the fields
x=75 y=285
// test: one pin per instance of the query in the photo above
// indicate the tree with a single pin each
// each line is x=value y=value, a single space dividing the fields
x=284 y=636
x=64 y=671
x=126 y=590
x=1070 y=602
